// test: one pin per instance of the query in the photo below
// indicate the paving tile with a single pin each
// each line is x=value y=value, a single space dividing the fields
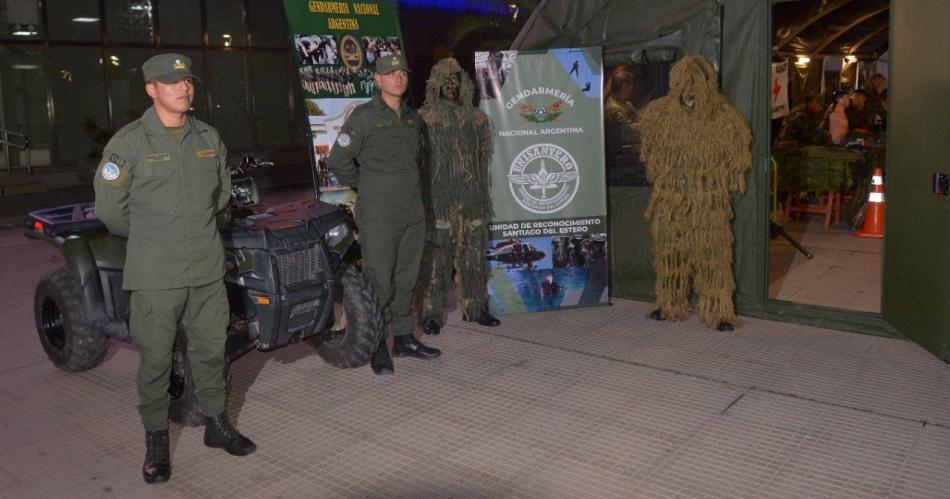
x=855 y=454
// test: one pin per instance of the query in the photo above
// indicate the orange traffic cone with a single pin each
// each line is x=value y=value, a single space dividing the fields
x=874 y=216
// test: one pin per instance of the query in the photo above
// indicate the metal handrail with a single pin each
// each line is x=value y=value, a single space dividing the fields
x=5 y=140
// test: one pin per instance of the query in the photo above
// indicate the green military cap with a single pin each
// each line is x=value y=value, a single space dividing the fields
x=390 y=63
x=167 y=68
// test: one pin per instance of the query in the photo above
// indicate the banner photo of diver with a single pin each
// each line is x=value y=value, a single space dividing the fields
x=333 y=44
x=548 y=246
x=543 y=273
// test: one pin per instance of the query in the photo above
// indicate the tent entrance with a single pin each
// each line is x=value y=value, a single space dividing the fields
x=829 y=133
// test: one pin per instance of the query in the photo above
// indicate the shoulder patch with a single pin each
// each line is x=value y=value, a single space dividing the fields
x=343 y=140
x=110 y=171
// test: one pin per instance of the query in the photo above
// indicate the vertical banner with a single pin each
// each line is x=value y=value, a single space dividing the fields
x=336 y=45
x=548 y=245
x=779 y=89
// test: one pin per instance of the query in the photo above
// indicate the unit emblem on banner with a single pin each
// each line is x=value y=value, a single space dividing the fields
x=543 y=178
x=351 y=52
x=540 y=114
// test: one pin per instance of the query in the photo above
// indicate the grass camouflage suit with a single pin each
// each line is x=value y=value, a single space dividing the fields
x=696 y=148
x=460 y=141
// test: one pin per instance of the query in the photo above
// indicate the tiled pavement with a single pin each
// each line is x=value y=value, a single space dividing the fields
x=844 y=273
x=584 y=403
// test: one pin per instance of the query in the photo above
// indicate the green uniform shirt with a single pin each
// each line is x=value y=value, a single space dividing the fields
x=379 y=152
x=161 y=190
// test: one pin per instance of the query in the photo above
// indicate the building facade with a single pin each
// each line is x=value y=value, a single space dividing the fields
x=70 y=71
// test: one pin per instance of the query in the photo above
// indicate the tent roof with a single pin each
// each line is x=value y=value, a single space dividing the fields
x=832 y=27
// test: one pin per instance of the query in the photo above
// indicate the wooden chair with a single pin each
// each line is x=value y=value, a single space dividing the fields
x=829 y=203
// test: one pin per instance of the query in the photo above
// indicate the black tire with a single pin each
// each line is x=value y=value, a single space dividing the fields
x=353 y=344
x=69 y=339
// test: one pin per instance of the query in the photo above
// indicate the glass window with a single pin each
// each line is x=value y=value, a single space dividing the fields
x=20 y=20
x=24 y=101
x=74 y=20
x=126 y=85
x=130 y=21
x=267 y=23
x=231 y=113
x=180 y=22
x=225 y=23
x=79 y=103
x=271 y=90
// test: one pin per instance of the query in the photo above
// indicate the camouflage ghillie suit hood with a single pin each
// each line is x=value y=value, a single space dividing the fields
x=460 y=142
x=461 y=149
x=441 y=72
x=696 y=148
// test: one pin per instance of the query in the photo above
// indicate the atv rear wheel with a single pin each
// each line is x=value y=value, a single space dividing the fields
x=69 y=339
x=358 y=323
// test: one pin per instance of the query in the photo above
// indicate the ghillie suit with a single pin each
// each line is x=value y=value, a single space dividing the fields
x=697 y=148
x=460 y=141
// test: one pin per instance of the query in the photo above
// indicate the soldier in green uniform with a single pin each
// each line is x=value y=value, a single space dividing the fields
x=379 y=152
x=161 y=181
x=803 y=126
x=460 y=140
x=622 y=131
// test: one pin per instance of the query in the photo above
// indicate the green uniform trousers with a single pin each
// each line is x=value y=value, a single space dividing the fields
x=392 y=253
x=202 y=312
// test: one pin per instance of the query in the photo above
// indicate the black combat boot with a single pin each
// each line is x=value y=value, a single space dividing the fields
x=221 y=435
x=430 y=326
x=409 y=346
x=381 y=362
x=157 y=467
x=483 y=318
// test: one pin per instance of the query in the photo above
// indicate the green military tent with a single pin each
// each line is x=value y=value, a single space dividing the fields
x=737 y=36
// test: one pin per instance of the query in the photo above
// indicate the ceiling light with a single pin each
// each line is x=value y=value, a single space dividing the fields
x=85 y=19
x=802 y=61
x=25 y=66
x=23 y=29
x=850 y=59
x=227 y=39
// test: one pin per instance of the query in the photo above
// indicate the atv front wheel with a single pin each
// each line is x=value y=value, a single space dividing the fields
x=70 y=341
x=358 y=324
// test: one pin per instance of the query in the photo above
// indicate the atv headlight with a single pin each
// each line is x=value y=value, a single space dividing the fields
x=336 y=234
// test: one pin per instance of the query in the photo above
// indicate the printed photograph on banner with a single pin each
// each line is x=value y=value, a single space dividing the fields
x=326 y=118
x=337 y=81
x=491 y=70
x=582 y=251
x=316 y=50
x=526 y=278
x=380 y=46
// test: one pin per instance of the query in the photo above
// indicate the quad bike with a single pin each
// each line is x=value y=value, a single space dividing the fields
x=293 y=274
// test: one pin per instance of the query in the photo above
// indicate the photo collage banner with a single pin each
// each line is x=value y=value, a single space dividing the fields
x=548 y=247
x=336 y=46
